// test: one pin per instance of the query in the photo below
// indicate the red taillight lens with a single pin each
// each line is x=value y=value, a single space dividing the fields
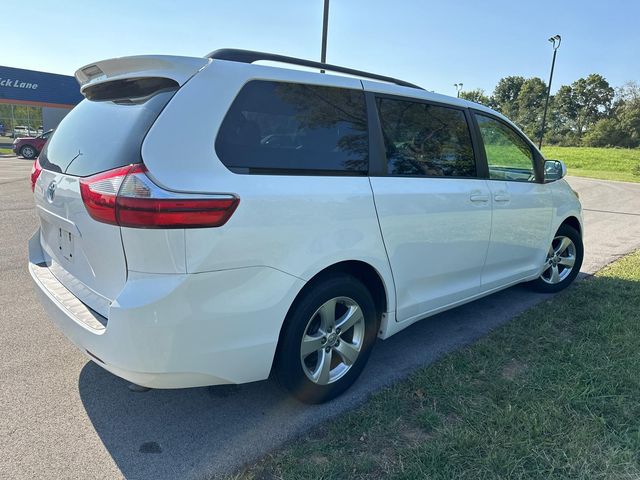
x=100 y=191
x=127 y=197
x=36 y=169
x=166 y=213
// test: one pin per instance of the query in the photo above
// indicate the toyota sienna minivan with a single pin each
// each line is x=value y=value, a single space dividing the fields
x=212 y=220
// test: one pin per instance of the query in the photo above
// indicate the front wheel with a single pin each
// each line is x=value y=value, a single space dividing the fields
x=563 y=261
x=327 y=338
x=28 y=152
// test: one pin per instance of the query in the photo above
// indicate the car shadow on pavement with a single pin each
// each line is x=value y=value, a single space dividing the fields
x=207 y=432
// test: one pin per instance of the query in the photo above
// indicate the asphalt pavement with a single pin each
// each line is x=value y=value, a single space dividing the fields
x=61 y=416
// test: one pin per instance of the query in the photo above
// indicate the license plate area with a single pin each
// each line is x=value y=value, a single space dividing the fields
x=65 y=244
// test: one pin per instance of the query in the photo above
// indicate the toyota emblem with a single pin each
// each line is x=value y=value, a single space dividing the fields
x=51 y=191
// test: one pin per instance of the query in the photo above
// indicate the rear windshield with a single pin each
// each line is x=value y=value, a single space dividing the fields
x=99 y=136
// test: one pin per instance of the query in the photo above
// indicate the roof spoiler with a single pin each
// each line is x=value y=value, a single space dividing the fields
x=175 y=68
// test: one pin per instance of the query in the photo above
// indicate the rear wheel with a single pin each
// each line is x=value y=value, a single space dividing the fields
x=563 y=261
x=28 y=152
x=327 y=338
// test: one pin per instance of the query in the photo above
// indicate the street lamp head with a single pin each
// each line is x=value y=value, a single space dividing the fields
x=555 y=40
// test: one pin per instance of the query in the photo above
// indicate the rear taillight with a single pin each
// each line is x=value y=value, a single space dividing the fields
x=127 y=197
x=100 y=191
x=35 y=173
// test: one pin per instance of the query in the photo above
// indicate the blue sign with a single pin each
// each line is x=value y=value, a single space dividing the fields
x=29 y=87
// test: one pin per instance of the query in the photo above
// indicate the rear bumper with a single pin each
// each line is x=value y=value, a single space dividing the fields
x=175 y=331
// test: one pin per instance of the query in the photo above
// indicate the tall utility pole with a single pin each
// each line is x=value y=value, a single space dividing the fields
x=325 y=26
x=555 y=41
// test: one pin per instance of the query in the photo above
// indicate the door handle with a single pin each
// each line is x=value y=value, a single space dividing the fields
x=502 y=197
x=479 y=198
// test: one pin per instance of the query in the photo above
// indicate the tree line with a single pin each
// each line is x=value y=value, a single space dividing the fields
x=589 y=112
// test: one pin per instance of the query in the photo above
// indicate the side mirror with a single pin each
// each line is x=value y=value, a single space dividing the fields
x=554 y=170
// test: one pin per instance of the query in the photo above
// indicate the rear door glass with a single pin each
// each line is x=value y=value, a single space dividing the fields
x=295 y=128
x=101 y=135
x=422 y=139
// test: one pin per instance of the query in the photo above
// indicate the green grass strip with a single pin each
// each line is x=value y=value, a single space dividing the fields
x=555 y=393
x=604 y=163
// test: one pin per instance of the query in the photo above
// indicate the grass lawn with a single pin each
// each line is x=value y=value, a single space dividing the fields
x=605 y=163
x=6 y=151
x=553 y=394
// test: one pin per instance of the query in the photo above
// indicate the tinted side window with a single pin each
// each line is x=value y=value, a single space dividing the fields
x=426 y=140
x=508 y=155
x=294 y=127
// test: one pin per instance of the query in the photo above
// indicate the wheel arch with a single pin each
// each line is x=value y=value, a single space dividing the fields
x=363 y=271
x=366 y=273
x=572 y=222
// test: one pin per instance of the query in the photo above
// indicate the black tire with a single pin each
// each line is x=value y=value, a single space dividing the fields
x=29 y=152
x=288 y=367
x=543 y=286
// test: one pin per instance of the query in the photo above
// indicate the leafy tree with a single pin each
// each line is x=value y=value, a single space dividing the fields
x=530 y=105
x=22 y=115
x=606 y=132
x=505 y=95
x=630 y=125
x=587 y=112
x=477 y=96
x=628 y=93
x=585 y=102
x=627 y=111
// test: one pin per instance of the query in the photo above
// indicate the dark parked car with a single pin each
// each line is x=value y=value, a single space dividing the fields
x=30 y=147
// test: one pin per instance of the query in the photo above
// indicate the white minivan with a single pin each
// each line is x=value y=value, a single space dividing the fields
x=210 y=220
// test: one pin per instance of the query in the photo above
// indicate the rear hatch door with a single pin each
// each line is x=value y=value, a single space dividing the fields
x=85 y=255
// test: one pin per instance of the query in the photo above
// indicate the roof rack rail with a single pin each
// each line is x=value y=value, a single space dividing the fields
x=249 y=56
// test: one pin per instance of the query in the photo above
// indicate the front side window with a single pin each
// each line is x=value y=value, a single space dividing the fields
x=425 y=140
x=508 y=155
x=295 y=128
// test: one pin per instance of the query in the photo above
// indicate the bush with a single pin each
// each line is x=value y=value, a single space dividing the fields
x=605 y=133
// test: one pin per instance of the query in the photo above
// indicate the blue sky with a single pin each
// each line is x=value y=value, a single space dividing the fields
x=433 y=44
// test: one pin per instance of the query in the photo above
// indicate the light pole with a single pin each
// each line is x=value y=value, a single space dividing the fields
x=458 y=88
x=325 y=26
x=555 y=42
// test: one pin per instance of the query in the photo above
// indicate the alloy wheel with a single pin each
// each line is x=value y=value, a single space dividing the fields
x=560 y=260
x=28 y=152
x=332 y=340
